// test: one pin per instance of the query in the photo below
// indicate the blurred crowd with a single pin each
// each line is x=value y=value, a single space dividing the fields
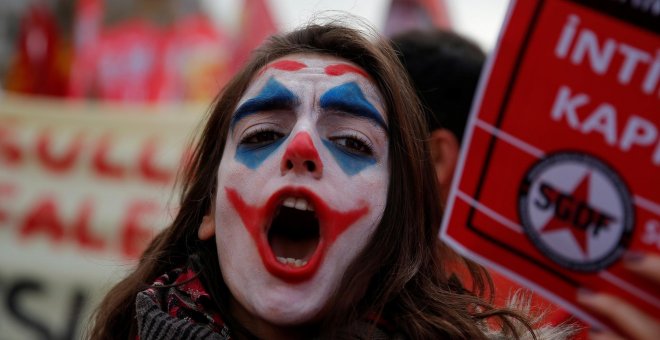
x=130 y=51
x=146 y=51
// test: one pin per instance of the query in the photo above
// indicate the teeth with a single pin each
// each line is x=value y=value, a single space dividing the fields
x=290 y=202
x=291 y=261
x=301 y=204
x=298 y=203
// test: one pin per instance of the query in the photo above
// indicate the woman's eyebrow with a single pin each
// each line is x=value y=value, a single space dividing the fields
x=349 y=99
x=273 y=96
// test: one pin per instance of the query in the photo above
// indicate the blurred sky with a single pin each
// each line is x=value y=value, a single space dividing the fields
x=477 y=19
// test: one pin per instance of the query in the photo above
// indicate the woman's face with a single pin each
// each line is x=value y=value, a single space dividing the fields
x=301 y=186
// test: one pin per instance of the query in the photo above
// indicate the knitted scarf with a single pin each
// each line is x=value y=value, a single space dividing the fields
x=177 y=306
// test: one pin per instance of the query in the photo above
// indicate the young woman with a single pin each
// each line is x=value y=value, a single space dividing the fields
x=309 y=210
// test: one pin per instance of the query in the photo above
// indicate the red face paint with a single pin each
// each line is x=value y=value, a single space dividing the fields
x=339 y=69
x=257 y=220
x=301 y=150
x=284 y=65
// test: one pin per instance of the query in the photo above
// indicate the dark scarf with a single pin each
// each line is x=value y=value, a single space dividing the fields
x=177 y=306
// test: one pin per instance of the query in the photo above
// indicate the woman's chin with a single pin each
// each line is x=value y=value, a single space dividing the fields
x=288 y=307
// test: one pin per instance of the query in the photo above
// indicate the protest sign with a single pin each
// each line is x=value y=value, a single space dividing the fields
x=83 y=188
x=560 y=174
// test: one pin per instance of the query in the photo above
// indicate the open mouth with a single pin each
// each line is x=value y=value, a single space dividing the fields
x=294 y=233
x=293 y=230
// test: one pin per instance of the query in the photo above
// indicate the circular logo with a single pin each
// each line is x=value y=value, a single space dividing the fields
x=576 y=210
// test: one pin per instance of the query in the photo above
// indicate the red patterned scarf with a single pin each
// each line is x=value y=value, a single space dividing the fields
x=177 y=306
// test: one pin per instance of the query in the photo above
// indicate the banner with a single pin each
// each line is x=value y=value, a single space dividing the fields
x=560 y=176
x=83 y=189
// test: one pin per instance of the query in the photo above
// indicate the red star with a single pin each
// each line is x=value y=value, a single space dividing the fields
x=579 y=194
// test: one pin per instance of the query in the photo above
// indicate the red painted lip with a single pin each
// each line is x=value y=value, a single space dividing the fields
x=257 y=220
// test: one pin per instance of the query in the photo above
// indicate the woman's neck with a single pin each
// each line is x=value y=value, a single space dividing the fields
x=263 y=329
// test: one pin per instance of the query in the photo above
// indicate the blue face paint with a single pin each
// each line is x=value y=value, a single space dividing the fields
x=252 y=156
x=348 y=98
x=273 y=96
x=349 y=162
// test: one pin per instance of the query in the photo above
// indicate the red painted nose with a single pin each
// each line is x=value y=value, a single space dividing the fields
x=301 y=157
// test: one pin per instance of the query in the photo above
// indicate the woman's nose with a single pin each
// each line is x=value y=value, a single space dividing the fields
x=301 y=157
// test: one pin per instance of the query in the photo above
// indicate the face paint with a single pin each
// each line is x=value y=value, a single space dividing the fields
x=339 y=69
x=255 y=218
x=302 y=156
x=301 y=186
x=286 y=65
x=349 y=162
x=272 y=96
x=350 y=99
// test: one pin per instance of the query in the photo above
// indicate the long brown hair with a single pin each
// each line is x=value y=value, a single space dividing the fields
x=404 y=275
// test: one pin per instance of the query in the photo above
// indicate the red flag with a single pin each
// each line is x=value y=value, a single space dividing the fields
x=437 y=10
x=256 y=25
x=407 y=15
x=42 y=60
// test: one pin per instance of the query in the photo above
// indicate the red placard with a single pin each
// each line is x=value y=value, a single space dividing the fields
x=560 y=174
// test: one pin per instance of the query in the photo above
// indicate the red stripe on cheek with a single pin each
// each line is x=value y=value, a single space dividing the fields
x=339 y=69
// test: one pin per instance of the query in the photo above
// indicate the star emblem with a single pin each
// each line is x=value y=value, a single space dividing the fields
x=576 y=211
x=573 y=212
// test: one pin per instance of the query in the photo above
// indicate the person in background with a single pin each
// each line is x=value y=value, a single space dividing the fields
x=444 y=68
x=309 y=210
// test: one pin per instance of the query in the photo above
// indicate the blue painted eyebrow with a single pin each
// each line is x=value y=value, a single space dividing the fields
x=273 y=96
x=349 y=99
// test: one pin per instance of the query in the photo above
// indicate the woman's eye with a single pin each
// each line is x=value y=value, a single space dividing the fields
x=354 y=145
x=260 y=138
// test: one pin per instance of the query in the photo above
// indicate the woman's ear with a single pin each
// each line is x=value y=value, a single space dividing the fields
x=206 y=228
x=444 y=152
